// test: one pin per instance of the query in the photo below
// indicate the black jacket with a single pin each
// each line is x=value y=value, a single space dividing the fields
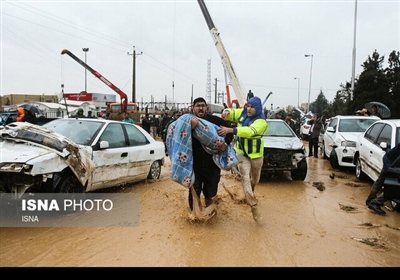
x=146 y=123
x=202 y=160
x=29 y=117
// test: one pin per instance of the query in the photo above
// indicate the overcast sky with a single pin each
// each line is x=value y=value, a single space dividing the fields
x=265 y=40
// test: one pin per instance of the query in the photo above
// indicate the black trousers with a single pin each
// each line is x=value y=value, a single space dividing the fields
x=313 y=147
x=206 y=182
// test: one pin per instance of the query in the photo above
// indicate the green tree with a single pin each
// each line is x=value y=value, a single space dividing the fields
x=372 y=84
x=393 y=76
x=341 y=101
x=321 y=105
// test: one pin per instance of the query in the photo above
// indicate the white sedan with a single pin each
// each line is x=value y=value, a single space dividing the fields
x=76 y=155
x=372 y=145
x=340 y=138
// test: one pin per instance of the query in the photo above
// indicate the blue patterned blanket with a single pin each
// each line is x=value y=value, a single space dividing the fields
x=179 y=145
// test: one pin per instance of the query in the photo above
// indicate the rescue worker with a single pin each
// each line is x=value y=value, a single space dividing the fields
x=251 y=125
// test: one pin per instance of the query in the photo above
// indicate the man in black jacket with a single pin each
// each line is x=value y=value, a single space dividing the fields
x=146 y=123
x=174 y=117
x=207 y=173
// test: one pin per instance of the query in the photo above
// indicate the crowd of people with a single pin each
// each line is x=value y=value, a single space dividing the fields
x=250 y=124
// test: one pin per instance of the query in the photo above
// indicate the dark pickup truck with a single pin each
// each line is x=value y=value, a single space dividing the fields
x=9 y=117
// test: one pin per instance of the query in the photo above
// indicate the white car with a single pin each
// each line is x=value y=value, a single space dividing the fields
x=372 y=145
x=340 y=138
x=283 y=151
x=76 y=155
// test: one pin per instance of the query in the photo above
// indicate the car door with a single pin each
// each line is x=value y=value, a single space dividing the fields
x=112 y=163
x=370 y=151
x=377 y=152
x=329 y=135
x=141 y=154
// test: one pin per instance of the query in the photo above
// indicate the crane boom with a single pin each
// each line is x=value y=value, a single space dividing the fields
x=124 y=97
x=266 y=98
x=226 y=62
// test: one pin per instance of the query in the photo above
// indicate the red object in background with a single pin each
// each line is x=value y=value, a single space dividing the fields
x=79 y=96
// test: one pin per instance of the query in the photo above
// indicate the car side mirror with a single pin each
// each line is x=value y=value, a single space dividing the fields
x=330 y=129
x=104 y=145
x=384 y=145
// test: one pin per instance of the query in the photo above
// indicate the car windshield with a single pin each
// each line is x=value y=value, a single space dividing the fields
x=355 y=125
x=3 y=118
x=278 y=129
x=78 y=130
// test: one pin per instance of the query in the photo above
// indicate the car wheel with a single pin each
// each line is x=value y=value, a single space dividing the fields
x=155 y=170
x=395 y=205
x=301 y=172
x=360 y=175
x=333 y=159
x=70 y=184
x=324 y=156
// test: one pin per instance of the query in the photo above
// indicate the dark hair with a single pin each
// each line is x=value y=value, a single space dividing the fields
x=198 y=100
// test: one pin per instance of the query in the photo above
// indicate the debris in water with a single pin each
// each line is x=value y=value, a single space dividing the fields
x=395 y=228
x=319 y=185
x=353 y=185
x=374 y=242
x=369 y=225
x=347 y=208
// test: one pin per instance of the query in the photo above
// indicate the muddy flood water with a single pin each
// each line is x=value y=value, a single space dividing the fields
x=319 y=222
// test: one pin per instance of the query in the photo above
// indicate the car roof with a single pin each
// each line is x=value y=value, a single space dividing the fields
x=275 y=120
x=396 y=122
x=89 y=120
x=356 y=117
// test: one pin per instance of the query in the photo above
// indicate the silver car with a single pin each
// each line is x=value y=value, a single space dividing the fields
x=283 y=151
x=76 y=155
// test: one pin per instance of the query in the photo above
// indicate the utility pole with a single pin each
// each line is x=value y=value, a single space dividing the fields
x=85 y=50
x=309 y=87
x=215 y=94
x=134 y=73
x=353 y=67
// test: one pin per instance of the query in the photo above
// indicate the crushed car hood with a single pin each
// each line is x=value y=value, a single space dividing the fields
x=21 y=142
x=25 y=152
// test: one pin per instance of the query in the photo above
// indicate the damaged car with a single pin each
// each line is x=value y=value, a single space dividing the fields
x=283 y=151
x=76 y=156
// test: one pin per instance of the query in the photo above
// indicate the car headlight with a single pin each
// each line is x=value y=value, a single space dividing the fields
x=348 y=144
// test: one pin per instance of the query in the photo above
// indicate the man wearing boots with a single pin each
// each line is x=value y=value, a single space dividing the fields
x=207 y=173
x=376 y=197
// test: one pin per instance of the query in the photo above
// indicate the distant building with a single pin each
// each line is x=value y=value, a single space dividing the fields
x=74 y=105
x=99 y=100
x=95 y=102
